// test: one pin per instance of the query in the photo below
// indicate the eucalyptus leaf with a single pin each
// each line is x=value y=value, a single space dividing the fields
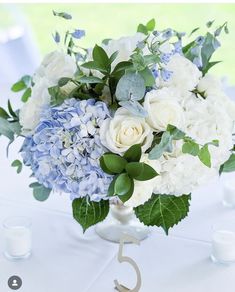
x=148 y=77
x=165 y=145
x=40 y=192
x=229 y=165
x=18 y=164
x=90 y=79
x=134 y=107
x=191 y=147
x=131 y=86
x=26 y=95
x=204 y=156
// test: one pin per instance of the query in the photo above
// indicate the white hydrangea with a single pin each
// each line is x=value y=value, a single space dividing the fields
x=30 y=112
x=53 y=67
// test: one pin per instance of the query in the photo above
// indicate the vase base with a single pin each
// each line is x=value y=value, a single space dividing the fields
x=114 y=231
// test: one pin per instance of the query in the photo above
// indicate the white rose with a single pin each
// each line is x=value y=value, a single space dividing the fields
x=125 y=47
x=142 y=192
x=163 y=109
x=30 y=112
x=185 y=75
x=54 y=66
x=209 y=85
x=122 y=131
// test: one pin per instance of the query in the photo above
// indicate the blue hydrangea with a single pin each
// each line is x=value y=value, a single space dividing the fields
x=65 y=148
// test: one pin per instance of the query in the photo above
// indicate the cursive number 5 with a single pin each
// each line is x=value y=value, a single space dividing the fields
x=121 y=259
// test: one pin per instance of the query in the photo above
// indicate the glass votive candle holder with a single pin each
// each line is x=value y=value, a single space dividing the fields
x=229 y=192
x=17 y=237
x=223 y=243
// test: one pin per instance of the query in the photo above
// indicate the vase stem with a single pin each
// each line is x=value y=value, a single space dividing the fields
x=121 y=220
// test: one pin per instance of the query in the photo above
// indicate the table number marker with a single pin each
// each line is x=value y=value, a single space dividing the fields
x=127 y=238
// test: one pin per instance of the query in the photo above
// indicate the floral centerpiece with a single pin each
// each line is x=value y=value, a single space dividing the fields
x=138 y=120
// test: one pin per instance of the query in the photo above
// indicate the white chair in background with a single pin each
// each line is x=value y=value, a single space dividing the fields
x=19 y=54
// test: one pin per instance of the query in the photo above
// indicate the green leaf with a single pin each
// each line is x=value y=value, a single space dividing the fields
x=113 y=57
x=63 y=81
x=88 y=213
x=15 y=127
x=148 y=77
x=133 y=154
x=147 y=173
x=5 y=129
x=18 y=86
x=3 y=113
x=92 y=65
x=150 y=25
x=163 y=210
x=122 y=184
x=10 y=109
x=122 y=66
x=209 y=46
x=204 y=155
x=130 y=86
x=142 y=28
x=62 y=14
x=18 y=164
x=40 y=192
x=165 y=145
x=209 y=65
x=113 y=163
x=26 y=94
x=101 y=58
x=209 y=23
x=111 y=191
x=140 y=171
x=175 y=132
x=191 y=148
x=134 y=169
x=90 y=79
x=128 y=195
x=193 y=31
x=229 y=165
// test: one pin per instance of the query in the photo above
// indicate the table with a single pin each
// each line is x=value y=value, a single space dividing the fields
x=65 y=260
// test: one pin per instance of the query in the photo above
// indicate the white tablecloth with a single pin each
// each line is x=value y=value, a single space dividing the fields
x=65 y=260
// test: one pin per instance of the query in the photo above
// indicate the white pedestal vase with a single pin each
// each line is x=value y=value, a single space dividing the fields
x=121 y=220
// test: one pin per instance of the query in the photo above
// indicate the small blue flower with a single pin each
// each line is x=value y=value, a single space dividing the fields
x=165 y=58
x=168 y=33
x=166 y=74
x=78 y=33
x=56 y=37
x=200 y=40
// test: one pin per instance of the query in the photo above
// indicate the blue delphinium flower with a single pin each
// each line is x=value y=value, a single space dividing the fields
x=65 y=148
x=78 y=33
x=166 y=74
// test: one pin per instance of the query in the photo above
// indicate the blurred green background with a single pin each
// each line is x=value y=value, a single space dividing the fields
x=115 y=20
